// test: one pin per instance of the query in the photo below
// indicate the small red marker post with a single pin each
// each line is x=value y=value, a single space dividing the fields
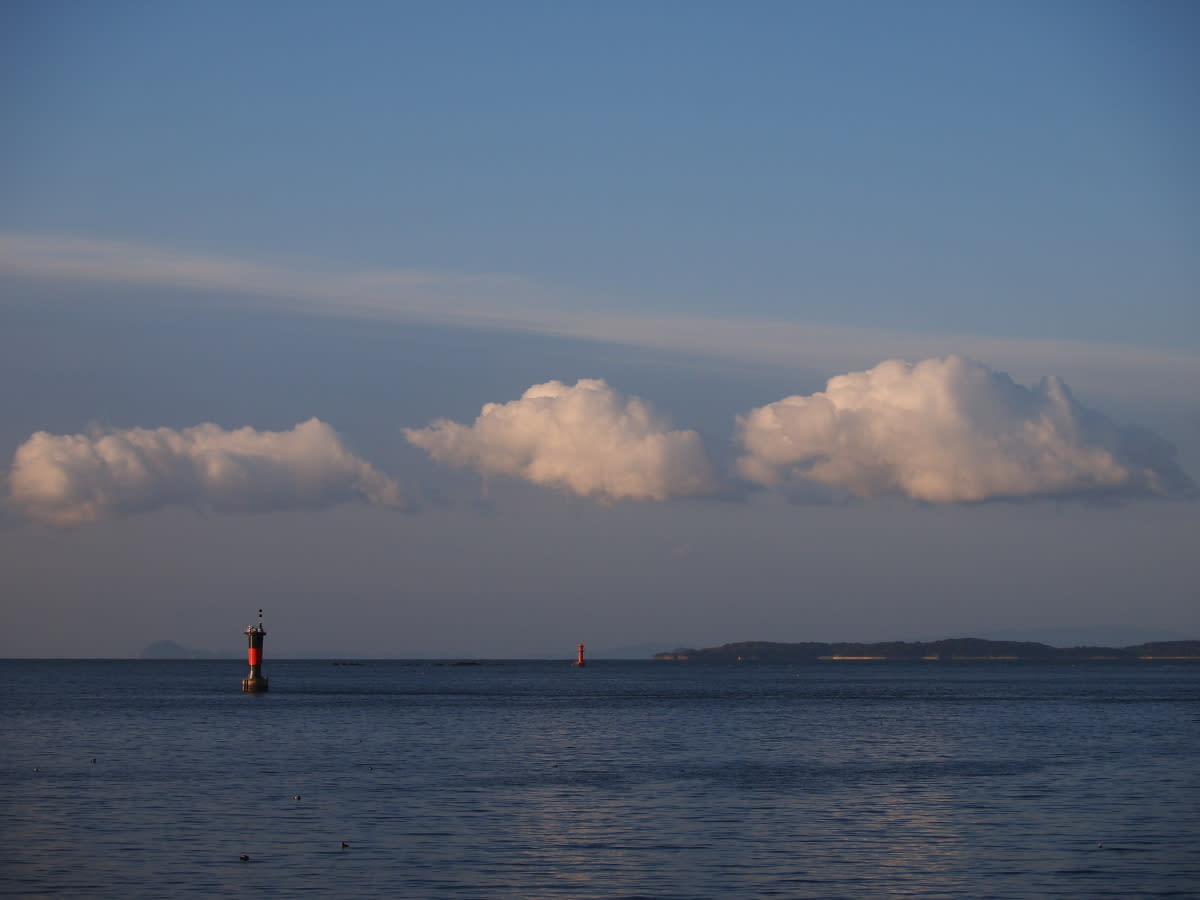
x=256 y=681
x=579 y=658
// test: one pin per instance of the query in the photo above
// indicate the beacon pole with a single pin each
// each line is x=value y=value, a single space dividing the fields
x=579 y=658
x=256 y=681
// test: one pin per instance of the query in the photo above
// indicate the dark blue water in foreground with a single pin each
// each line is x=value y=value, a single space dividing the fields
x=619 y=780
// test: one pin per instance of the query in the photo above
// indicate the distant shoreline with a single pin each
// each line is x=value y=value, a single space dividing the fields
x=949 y=650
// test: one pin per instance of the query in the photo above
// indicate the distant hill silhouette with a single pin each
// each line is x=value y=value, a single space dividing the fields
x=951 y=650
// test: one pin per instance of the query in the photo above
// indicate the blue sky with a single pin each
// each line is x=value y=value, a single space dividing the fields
x=382 y=215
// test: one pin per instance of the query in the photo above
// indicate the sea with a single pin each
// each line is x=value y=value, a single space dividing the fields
x=506 y=779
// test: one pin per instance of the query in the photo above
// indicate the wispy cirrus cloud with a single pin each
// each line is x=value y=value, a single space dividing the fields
x=512 y=302
x=298 y=284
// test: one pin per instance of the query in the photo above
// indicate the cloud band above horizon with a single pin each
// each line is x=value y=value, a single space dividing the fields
x=945 y=430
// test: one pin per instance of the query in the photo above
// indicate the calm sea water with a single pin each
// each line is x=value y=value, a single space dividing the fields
x=131 y=779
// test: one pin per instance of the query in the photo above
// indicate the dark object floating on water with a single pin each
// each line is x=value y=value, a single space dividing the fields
x=295 y=796
x=93 y=760
x=468 y=663
x=344 y=845
x=244 y=858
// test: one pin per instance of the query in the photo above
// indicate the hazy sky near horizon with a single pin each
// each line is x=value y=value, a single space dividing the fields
x=466 y=329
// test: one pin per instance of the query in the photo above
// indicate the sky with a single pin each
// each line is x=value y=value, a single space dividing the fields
x=466 y=329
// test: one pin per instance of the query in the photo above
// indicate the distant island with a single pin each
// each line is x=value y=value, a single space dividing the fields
x=951 y=650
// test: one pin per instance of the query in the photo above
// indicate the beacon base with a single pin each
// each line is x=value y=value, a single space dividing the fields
x=252 y=685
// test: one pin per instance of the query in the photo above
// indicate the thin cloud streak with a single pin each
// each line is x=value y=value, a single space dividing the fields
x=300 y=286
x=510 y=302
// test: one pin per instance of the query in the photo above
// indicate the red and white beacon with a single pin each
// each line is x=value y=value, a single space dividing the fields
x=256 y=681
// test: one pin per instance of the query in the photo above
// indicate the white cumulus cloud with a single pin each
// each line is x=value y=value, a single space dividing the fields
x=76 y=478
x=586 y=438
x=951 y=430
